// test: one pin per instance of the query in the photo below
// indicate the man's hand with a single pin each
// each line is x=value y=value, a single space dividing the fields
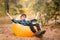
x=37 y=15
x=9 y=15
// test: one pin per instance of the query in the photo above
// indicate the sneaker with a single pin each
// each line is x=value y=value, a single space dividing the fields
x=38 y=33
x=42 y=32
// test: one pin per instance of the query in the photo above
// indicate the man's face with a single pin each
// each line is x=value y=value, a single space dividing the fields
x=23 y=17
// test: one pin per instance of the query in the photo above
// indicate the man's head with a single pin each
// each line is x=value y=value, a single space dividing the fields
x=23 y=16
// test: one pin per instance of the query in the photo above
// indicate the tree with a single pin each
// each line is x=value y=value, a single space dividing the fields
x=56 y=9
x=53 y=9
x=49 y=8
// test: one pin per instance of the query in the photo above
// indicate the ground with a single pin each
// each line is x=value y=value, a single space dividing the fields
x=52 y=32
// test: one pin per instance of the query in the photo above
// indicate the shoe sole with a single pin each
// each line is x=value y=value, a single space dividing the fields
x=43 y=32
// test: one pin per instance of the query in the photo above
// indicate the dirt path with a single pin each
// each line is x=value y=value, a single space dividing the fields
x=7 y=34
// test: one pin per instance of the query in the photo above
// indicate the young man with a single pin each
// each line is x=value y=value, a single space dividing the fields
x=29 y=23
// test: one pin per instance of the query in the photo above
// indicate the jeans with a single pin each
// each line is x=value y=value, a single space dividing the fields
x=32 y=27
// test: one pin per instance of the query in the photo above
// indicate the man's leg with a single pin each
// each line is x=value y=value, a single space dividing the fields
x=32 y=28
x=38 y=26
x=40 y=32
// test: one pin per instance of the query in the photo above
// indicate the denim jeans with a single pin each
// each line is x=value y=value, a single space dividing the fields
x=32 y=27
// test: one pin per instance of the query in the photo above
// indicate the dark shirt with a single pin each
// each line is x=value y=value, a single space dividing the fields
x=23 y=22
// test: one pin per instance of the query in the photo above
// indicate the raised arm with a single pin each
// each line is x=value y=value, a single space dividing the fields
x=35 y=19
x=37 y=15
x=9 y=15
x=12 y=19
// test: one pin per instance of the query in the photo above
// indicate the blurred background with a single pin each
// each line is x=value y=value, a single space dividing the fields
x=49 y=9
x=49 y=17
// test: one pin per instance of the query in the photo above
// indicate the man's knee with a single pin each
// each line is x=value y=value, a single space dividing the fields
x=37 y=24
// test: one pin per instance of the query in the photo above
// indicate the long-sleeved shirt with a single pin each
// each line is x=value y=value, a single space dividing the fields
x=23 y=22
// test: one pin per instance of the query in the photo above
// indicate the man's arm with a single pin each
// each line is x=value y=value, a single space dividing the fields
x=37 y=15
x=12 y=19
x=9 y=15
x=35 y=19
x=15 y=21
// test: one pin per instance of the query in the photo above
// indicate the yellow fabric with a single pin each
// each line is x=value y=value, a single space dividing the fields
x=20 y=30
